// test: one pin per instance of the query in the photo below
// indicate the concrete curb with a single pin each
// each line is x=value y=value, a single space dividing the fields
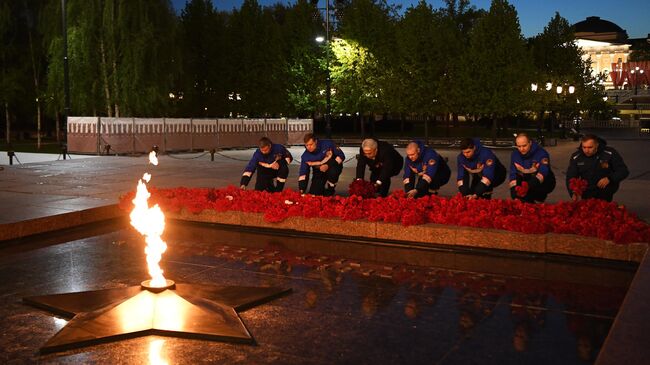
x=551 y=243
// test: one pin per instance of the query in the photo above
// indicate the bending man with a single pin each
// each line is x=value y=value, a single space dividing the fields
x=600 y=165
x=383 y=161
x=326 y=160
x=273 y=161
x=530 y=164
x=425 y=171
x=479 y=170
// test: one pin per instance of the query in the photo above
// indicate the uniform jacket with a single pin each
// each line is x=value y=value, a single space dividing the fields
x=483 y=162
x=387 y=162
x=278 y=152
x=427 y=163
x=322 y=147
x=535 y=161
x=607 y=162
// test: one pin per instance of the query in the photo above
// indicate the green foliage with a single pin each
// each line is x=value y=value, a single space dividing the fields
x=500 y=63
x=140 y=58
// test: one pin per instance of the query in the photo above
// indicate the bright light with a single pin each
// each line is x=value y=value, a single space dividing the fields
x=150 y=222
x=533 y=87
x=320 y=39
x=558 y=89
x=171 y=95
x=605 y=98
x=549 y=86
x=572 y=89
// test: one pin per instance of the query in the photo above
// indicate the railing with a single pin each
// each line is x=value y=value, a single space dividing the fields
x=138 y=135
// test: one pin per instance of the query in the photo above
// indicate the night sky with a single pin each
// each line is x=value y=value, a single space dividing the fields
x=631 y=15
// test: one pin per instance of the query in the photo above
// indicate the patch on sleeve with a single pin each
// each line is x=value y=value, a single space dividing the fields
x=432 y=162
x=489 y=162
x=604 y=164
x=545 y=161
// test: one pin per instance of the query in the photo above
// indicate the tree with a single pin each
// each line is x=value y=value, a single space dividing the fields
x=559 y=61
x=368 y=27
x=500 y=63
x=203 y=59
x=12 y=70
x=256 y=61
x=306 y=64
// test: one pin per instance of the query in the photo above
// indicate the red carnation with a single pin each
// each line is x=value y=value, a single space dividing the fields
x=362 y=188
x=578 y=185
x=522 y=189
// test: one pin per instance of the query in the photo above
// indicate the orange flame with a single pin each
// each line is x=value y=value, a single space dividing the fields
x=150 y=222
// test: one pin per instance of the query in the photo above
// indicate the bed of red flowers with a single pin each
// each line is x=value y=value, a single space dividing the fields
x=594 y=218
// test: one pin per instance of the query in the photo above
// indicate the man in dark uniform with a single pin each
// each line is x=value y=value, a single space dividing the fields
x=425 y=171
x=479 y=170
x=273 y=161
x=601 y=166
x=530 y=164
x=383 y=161
x=326 y=161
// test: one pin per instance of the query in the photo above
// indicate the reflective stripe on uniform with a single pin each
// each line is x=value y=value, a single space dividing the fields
x=247 y=173
x=485 y=181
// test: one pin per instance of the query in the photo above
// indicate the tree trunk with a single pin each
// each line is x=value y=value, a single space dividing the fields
x=58 y=128
x=36 y=88
x=38 y=124
x=362 y=126
x=448 y=129
x=494 y=130
x=115 y=89
x=426 y=129
x=8 y=134
x=455 y=119
x=104 y=68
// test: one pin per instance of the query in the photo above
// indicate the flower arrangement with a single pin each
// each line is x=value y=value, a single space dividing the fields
x=591 y=217
x=362 y=188
x=522 y=190
x=578 y=185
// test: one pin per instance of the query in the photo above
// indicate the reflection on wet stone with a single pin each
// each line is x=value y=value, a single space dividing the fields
x=344 y=307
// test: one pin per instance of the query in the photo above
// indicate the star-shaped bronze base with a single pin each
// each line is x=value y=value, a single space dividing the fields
x=189 y=311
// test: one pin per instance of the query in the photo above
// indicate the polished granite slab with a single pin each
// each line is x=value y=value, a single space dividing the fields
x=345 y=308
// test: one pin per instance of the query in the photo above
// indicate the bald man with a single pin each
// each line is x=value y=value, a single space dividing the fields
x=530 y=163
x=425 y=171
x=383 y=161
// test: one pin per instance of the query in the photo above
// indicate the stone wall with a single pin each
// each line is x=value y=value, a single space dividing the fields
x=550 y=243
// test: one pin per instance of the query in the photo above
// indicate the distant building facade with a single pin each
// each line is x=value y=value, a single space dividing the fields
x=608 y=47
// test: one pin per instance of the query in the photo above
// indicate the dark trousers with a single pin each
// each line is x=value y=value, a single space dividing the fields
x=424 y=188
x=323 y=183
x=384 y=188
x=537 y=192
x=265 y=180
x=606 y=194
x=472 y=181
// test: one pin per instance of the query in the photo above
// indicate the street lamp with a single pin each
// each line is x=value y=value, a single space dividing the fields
x=563 y=92
x=66 y=81
x=636 y=72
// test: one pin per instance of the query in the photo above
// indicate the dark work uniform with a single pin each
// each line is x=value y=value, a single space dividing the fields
x=323 y=183
x=266 y=175
x=480 y=174
x=535 y=162
x=607 y=162
x=426 y=174
x=386 y=164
